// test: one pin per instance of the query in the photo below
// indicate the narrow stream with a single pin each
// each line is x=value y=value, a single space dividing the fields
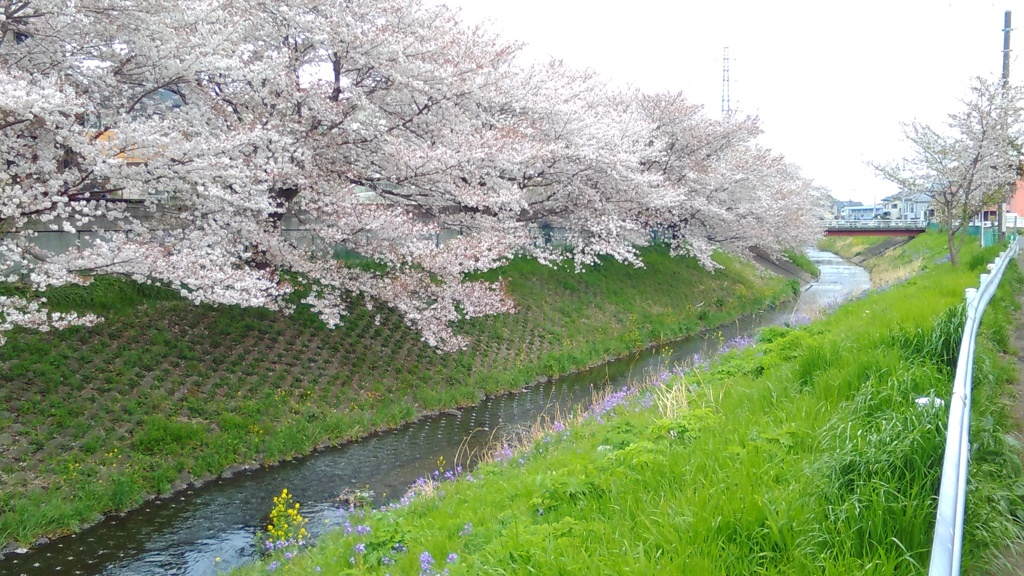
x=186 y=533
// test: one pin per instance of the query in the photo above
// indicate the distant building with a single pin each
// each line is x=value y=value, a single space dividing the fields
x=861 y=212
x=915 y=207
x=839 y=205
x=1015 y=207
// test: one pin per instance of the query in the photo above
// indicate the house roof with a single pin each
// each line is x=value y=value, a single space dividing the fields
x=840 y=204
x=919 y=197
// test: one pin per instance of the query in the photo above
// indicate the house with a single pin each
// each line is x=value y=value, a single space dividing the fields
x=157 y=103
x=1015 y=207
x=1014 y=211
x=839 y=205
x=914 y=207
x=861 y=212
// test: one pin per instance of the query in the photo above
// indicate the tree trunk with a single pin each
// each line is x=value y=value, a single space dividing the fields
x=951 y=242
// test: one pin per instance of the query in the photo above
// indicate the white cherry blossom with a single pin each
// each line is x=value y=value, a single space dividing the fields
x=275 y=135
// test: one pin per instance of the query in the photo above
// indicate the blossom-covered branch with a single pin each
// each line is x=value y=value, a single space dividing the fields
x=278 y=136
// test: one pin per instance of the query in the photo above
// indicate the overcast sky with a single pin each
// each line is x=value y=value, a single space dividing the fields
x=830 y=81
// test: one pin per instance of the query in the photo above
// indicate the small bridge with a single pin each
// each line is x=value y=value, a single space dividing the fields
x=875 y=227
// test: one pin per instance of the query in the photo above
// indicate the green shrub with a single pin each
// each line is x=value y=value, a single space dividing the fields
x=160 y=435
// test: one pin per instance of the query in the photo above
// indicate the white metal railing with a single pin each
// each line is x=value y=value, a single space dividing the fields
x=947 y=545
x=877 y=224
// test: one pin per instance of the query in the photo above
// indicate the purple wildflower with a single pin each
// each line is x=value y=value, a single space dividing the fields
x=738 y=343
x=452 y=558
x=609 y=403
x=426 y=563
x=467 y=529
x=360 y=548
x=273 y=566
x=503 y=453
x=699 y=362
x=797 y=320
x=647 y=401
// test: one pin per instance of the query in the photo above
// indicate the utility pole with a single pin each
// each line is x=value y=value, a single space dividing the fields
x=1006 y=82
x=1006 y=48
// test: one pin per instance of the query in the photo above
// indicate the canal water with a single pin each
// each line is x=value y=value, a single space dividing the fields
x=839 y=281
x=210 y=529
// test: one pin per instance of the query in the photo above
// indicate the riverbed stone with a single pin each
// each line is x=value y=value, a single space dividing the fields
x=183 y=480
x=232 y=470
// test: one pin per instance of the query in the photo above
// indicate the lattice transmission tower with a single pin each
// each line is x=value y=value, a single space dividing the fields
x=726 y=100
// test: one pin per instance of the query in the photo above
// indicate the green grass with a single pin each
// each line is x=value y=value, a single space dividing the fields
x=803 y=262
x=850 y=246
x=803 y=454
x=182 y=392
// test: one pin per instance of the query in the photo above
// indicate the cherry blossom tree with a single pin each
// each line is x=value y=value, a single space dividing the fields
x=369 y=125
x=969 y=163
x=254 y=141
x=719 y=189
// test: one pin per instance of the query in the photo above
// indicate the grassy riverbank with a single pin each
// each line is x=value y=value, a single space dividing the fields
x=802 y=453
x=801 y=260
x=900 y=262
x=850 y=247
x=165 y=393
